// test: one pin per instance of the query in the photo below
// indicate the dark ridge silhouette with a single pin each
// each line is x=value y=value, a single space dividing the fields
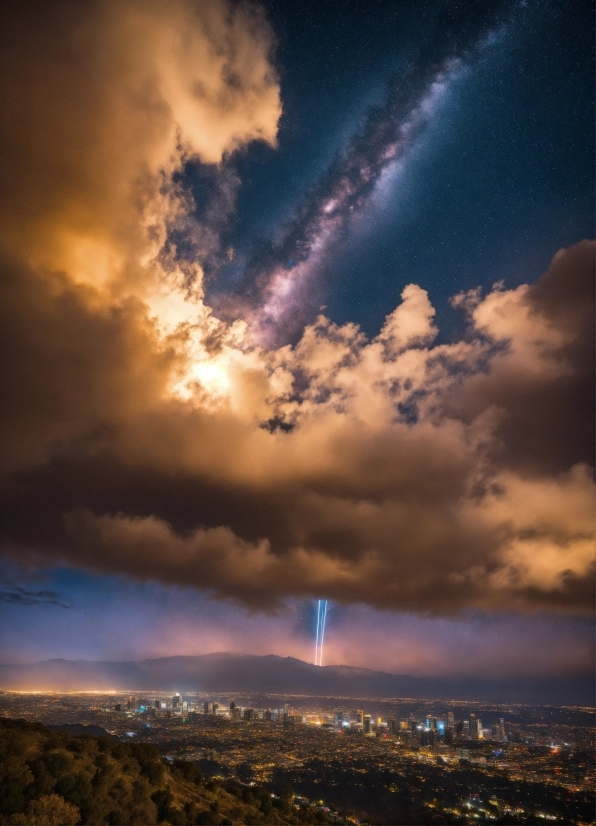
x=79 y=728
x=271 y=674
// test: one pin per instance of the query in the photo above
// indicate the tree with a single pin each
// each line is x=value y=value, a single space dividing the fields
x=49 y=810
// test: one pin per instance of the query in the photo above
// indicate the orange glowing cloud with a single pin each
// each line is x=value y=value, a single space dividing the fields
x=103 y=101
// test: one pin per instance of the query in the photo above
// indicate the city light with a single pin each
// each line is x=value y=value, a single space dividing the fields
x=530 y=760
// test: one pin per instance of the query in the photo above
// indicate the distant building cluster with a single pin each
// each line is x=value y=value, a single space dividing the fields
x=180 y=705
x=177 y=705
x=411 y=731
x=426 y=732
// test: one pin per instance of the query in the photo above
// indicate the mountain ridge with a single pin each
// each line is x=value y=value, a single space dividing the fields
x=222 y=672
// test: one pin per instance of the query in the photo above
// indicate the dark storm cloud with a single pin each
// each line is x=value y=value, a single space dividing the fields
x=283 y=284
x=546 y=425
x=400 y=473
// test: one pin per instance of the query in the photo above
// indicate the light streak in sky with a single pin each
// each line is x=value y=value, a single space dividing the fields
x=321 y=618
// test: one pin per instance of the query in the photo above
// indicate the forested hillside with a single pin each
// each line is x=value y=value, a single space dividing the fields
x=51 y=778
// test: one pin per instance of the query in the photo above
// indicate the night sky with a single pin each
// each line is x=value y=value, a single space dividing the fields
x=297 y=304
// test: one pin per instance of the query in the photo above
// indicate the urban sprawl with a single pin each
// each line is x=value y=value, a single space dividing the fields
x=383 y=760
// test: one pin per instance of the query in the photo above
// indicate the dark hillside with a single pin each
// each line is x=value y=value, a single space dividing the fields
x=52 y=778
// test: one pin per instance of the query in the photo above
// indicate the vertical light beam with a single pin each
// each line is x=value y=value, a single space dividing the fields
x=324 y=617
x=321 y=618
x=318 y=630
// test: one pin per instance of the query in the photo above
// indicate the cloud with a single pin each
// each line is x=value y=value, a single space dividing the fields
x=141 y=435
x=24 y=596
x=381 y=492
x=103 y=102
x=543 y=380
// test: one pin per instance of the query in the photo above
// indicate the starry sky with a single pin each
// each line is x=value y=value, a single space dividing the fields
x=297 y=304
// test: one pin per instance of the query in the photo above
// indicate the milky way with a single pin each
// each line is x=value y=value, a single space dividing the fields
x=280 y=288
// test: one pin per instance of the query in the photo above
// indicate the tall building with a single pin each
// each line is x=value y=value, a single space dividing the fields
x=157 y=704
x=450 y=720
x=366 y=724
x=475 y=728
x=498 y=730
x=207 y=707
x=249 y=714
x=428 y=737
x=175 y=700
x=360 y=717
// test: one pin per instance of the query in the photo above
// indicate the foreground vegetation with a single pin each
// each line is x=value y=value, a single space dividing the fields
x=51 y=778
